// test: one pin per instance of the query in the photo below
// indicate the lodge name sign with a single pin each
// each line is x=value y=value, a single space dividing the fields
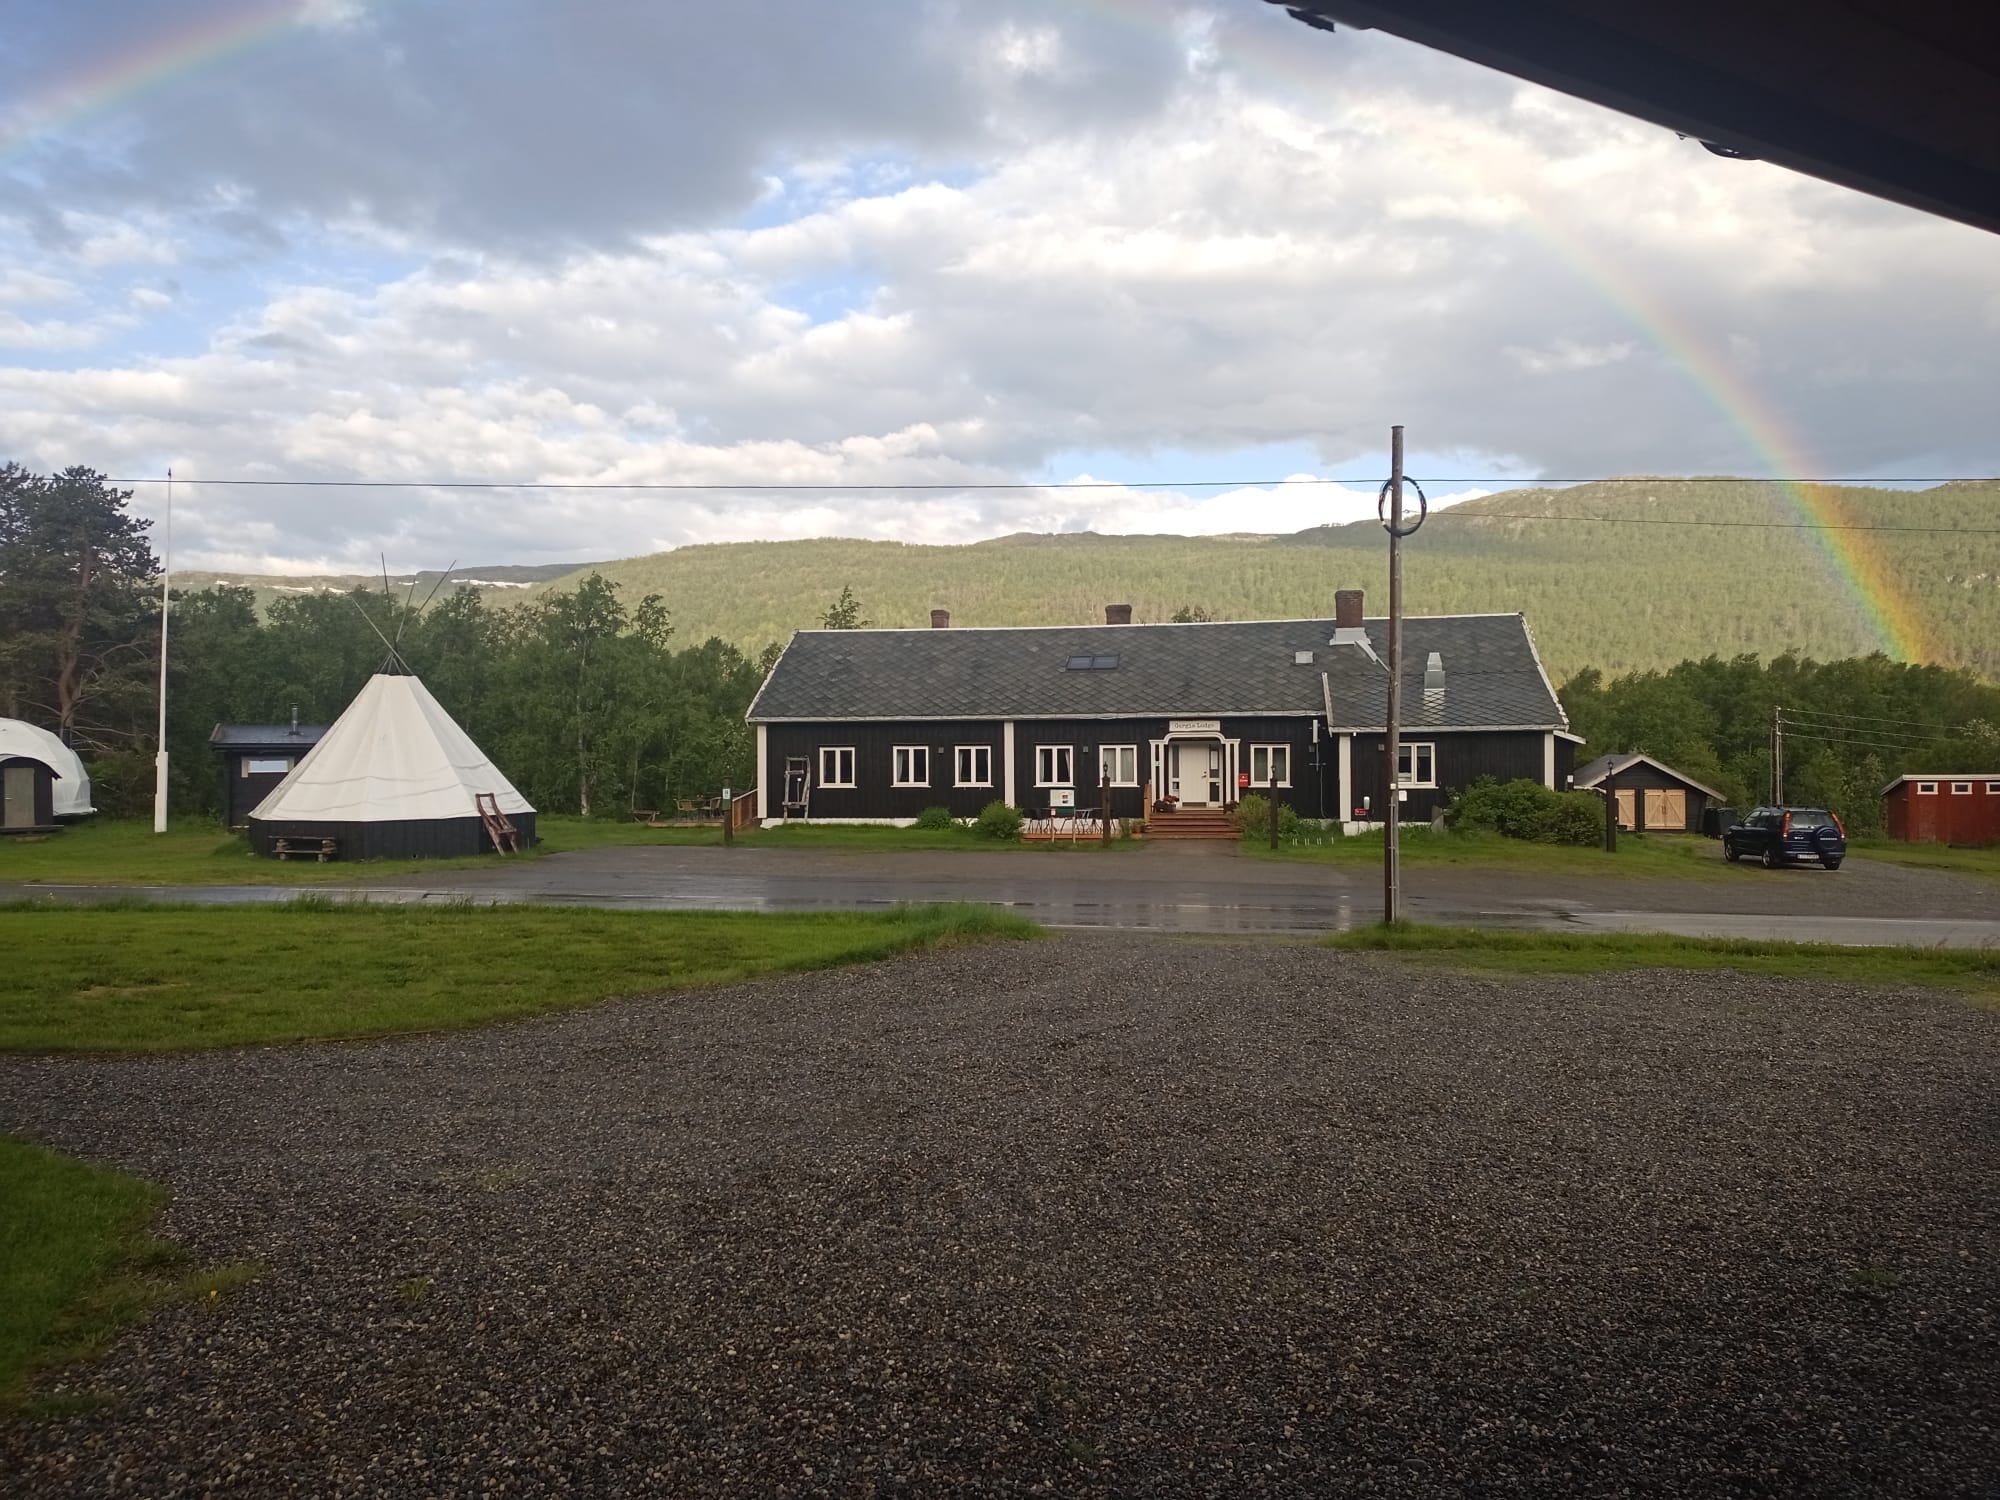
x=1194 y=726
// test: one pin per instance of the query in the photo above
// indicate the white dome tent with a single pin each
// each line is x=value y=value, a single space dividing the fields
x=25 y=741
x=394 y=778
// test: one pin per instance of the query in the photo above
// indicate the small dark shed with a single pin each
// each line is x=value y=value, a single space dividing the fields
x=1652 y=797
x=255 y=758
x=27 y=795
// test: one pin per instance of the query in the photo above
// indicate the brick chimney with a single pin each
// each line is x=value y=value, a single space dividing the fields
x=940 y=619
x=1347 y=611
x=1118 y=614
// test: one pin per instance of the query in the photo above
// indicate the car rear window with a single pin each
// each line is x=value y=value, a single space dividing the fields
x=1807 y=821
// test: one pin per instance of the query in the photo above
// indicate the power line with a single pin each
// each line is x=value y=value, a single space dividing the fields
x=1820 y=713
x=946 y=487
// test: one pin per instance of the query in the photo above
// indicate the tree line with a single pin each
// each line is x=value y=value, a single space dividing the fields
x=1851 y=726
x=583 y=698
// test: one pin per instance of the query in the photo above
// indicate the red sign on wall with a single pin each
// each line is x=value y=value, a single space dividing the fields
x=1243 y=778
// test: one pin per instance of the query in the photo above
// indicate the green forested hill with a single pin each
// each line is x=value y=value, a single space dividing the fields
x=1620 y=595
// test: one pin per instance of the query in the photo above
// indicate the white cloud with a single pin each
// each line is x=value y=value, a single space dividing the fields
x=1213 y=267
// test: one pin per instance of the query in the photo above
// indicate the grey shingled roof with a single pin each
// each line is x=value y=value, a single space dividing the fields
x=1492 y=677
x=264 y=736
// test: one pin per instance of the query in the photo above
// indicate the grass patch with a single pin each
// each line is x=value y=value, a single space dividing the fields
x=176 y=978
x=1487 y=951
x=1652 y=856
x=198 y=852
x=78 y=1263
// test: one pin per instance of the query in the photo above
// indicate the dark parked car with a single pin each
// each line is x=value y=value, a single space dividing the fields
x=1785 y=835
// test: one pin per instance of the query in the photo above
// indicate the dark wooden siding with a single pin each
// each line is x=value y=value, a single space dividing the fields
x=241 y=793
x=874 y=745
x=1638 y=779
x=1086 y=738
x=1505 y=755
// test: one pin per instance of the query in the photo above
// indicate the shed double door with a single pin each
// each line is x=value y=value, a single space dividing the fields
x=17 y=797
x=1666 y=809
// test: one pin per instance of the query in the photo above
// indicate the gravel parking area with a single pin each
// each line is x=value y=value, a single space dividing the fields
x=1106 y=1215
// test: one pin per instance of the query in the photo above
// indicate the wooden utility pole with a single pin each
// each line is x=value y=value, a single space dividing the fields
x=1104 y=803
x=1392 y=809
x=1778 y=757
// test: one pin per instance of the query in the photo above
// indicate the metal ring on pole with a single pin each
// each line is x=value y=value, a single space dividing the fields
x=1382 y=503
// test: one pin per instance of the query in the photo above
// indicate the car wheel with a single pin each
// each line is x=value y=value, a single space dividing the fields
x=1729 y=853
x=1831 y=864
x=1773 y=860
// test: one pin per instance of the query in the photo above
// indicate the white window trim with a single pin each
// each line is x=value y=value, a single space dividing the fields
x=958 y=752
x=1055 y=754
x=1927 y=788
x=1267 y=749
x=1117 y=751
x=1413 y=746
x=896 y=754
x=1993 y=788
x=1961 y=789
x=853 y=762
x=250 y=760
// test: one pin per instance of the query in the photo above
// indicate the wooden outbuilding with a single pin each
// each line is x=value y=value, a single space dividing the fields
x=255 y=758
x=1652 y=796
x=1954 y=809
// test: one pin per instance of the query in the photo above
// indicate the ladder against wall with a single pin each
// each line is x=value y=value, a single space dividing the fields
x=798 y=787
x=498 y=826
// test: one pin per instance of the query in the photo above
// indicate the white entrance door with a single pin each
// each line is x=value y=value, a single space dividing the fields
x=17 y=797
x=1194 y=772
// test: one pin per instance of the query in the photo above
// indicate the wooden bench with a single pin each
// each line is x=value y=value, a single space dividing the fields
x=321 y=850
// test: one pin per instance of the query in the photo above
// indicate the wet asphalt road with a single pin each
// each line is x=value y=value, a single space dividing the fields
x=1191 y=887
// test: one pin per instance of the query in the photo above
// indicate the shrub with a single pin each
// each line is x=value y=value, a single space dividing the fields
x=1252 y=814
x=936 y=818
x=997 y=820
x=121 y=783
x=1528 y=810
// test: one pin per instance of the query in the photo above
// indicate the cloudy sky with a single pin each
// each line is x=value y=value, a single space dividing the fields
x=904 y=241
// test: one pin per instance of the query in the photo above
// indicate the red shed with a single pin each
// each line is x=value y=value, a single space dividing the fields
x=1960 y=809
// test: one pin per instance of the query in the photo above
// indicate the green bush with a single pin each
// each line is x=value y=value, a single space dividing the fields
x=1252 y=814
x=997 y=820
x=1528 y=810
x=121 y=783
x=936 y=818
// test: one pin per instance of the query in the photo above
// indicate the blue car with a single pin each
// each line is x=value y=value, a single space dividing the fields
x=1783 y=836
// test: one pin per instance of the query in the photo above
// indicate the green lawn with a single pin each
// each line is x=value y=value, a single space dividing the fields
x=198 y=852
x=1480 y=950
x=178 y=978
x=1653 y=856
x=77 y=1262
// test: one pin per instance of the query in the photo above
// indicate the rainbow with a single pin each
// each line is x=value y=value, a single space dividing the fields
x=1854 y=559
x=111 y=81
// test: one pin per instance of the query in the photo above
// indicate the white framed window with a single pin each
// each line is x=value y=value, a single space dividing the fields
x=1927 y=789
x=836 y=765
x=910 y=765
x=1993 y=788
x=1270 y=765
x=973 y=766
x=1416 y=763
x=1054 y=766
x=1961 y=789
x=266 y=765
x=1120 y=764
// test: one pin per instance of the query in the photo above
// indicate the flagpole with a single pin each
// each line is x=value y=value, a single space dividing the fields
x=160 y=755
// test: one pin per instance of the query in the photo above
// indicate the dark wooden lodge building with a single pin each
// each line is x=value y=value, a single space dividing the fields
x=255 y=758
x=877 y=725
x=1652 y=796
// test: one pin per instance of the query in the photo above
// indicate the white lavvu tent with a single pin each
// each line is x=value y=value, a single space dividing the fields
x=72 y=784
x=394 y=777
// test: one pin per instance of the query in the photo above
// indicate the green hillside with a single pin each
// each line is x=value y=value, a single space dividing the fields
x=501 y=579
x=1620 y=596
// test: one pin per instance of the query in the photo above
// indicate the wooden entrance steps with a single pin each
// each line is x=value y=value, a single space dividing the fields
x=1192 y=823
